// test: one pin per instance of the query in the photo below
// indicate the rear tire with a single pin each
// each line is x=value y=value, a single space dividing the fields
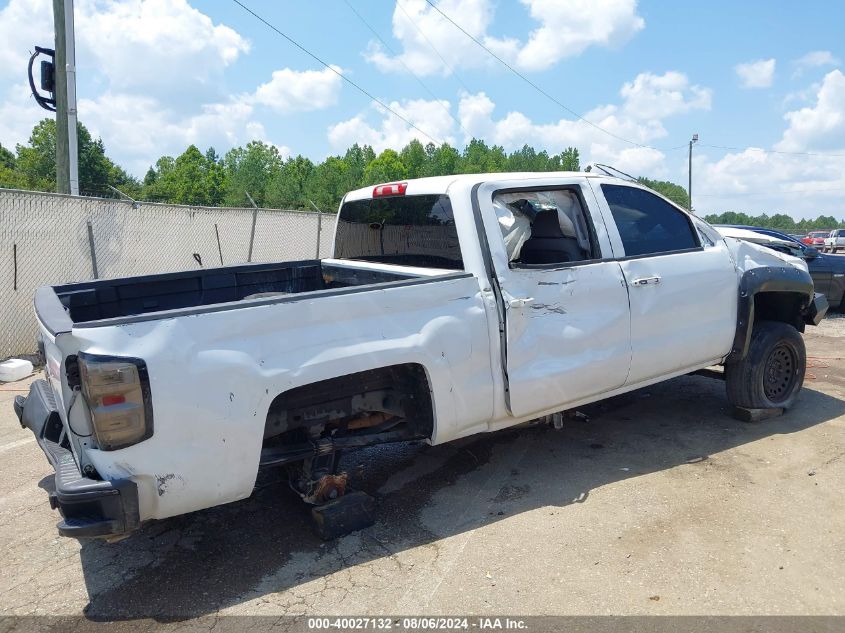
x=772 y=373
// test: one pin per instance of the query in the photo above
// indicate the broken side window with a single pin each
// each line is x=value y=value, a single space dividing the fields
x=544 y=227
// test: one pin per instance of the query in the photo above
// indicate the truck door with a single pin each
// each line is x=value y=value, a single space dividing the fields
x=682 y=285
x=565 y=308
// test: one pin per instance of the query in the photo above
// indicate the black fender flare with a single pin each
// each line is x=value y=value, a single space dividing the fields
x=772 y=279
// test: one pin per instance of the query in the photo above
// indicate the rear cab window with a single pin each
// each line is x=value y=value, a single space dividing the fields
x=404 y=230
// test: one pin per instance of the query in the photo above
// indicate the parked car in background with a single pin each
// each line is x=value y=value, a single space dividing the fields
x=828 y=272
x=834 y=241
x=815 y=238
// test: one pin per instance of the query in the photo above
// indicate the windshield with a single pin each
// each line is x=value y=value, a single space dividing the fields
x=404 y=230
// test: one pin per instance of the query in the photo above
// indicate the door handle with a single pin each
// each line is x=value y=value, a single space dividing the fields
x=646 y=281
x=520 y=303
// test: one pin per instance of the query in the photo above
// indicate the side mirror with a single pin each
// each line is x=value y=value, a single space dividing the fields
x=810 y=253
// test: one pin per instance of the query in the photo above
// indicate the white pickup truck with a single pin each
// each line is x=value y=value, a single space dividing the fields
x=452 y=306
x=835 y=241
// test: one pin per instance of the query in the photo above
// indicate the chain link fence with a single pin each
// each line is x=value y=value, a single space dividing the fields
x=48 y=239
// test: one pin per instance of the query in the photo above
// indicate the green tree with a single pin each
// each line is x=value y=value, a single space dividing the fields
x=475 y=158
x=192 y=178
x=249 y=169
x=414 y=157
x=779 y=221
x=36 y=162
x=10 y=178
x=7 y=158
x=826 y=222
x=442 y=161
x=524 y=159
x=357 y=158
x=570 y=160
x=782 y=222
x=215 y=175
x=387 y=167
x=157 y=185
x=327 y=183
x=675 y=193
x=288 y=188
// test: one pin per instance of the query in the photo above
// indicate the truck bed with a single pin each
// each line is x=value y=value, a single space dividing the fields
x=133 y=296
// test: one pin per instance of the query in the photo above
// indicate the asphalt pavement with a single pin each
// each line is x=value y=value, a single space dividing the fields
x=661 y=503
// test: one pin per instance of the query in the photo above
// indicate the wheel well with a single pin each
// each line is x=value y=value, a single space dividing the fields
x=355 y=404
x=785 y=307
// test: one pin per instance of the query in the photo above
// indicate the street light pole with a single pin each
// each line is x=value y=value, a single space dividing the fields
x=689 y=188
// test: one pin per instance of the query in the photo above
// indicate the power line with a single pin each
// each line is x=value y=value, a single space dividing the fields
x=405 y=66
x=336 y=72
x=772 y=151
x=532 y=84
x=433 y=47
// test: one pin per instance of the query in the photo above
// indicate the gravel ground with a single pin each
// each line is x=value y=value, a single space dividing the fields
x=661 y=504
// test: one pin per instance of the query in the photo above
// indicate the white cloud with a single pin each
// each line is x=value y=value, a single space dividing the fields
x=756 y=74
x=139 y=128
x=751 y=180
x=652 y=96
x=299 y=91
x=515 y=129
x=23 y=24
x=647 y=101
x=18 y=114
x=756 y=181
x=155 y=44
x=155 y=79
x=822 y=126
x=430 y=116
x=803 y=185
x=136 y=44
x=566 y=28
x=425 y=35
x=569 y=27
x=814 y=59
x=142 y=128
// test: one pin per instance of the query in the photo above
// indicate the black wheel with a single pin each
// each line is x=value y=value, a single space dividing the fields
x=772 y=373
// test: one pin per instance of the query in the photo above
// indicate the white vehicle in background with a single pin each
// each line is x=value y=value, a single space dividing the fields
x=834 y=241
x=451 y=306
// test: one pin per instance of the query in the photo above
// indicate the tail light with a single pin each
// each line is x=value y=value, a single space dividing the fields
x=118 y=395
x=391 y=189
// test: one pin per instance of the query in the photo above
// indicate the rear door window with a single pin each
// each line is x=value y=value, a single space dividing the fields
x=403 y=230
x=544 y=227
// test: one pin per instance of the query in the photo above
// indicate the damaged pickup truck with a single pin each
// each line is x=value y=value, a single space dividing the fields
x=452 y=306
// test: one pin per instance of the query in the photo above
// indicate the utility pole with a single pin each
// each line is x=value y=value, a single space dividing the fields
x=689 y=189
x=67 y=148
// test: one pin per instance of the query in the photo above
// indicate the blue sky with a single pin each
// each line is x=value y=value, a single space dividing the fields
x=155 y=75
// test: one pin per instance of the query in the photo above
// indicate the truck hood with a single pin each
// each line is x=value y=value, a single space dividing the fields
x=748 y=255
